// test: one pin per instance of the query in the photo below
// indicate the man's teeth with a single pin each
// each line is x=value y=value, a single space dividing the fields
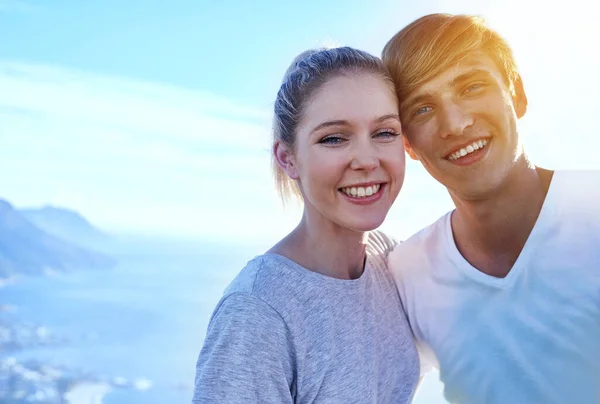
x=361 y=192
x=479 y=144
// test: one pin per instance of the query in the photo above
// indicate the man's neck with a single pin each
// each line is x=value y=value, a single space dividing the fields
x=491 y=232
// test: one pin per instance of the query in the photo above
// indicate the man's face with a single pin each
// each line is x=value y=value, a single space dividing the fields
x=462 y=126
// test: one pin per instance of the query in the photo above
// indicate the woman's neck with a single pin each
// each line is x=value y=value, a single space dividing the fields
x=325 y=247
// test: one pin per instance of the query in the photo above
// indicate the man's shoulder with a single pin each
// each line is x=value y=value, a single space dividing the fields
x=576 y=191
x=432 y=233
x=578 y=181
x=414 y=251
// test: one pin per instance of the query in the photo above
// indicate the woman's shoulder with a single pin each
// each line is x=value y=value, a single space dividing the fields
x=379 y=243
x=258 y=271
x=379 y=246
x=273 y=279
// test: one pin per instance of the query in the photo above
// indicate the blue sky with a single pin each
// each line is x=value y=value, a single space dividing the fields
x=154 y=117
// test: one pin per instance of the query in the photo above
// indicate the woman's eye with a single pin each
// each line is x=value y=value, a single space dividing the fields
x=331 y=140
x=387 y=134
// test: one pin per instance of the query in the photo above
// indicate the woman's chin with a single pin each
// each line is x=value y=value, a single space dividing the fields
x=364 y=223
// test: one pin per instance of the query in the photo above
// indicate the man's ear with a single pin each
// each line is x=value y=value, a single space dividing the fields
x=519 y=97
x=409 y=149
x=285 y=159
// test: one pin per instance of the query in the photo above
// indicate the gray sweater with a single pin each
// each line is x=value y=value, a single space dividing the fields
x=285 y=334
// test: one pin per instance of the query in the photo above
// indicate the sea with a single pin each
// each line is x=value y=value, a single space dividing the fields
x=142 y=321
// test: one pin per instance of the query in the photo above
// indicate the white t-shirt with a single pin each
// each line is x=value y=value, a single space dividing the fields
x=531 y=337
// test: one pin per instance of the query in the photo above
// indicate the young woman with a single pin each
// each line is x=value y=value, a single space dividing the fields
x=317 y=319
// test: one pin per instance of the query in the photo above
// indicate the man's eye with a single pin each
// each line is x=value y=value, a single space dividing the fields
x=422 y=110
x=473 y=87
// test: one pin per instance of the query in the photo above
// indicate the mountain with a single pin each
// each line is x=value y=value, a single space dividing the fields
x=27 y=249
x=65 y=224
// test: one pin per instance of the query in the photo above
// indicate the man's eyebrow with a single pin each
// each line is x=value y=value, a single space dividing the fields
x=468 y=75
x=456 y=80
x=343 y=122
x=414 y=100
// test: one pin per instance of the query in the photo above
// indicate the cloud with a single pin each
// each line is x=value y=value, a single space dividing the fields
x=127 y=152
x=126 y=104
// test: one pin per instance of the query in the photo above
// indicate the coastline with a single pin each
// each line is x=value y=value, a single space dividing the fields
x=35 y=380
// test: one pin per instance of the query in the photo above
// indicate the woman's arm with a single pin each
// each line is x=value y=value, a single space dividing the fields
x=247 y=355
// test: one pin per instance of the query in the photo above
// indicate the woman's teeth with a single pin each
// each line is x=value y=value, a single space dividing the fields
x=479 y=144
x=361 y=192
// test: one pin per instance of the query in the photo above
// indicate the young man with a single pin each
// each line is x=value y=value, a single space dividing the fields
x=502 y=293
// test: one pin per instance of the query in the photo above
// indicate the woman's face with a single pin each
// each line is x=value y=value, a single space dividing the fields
x=349 y=157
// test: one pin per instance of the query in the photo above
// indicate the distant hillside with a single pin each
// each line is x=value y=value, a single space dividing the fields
x=65 y=224
x=27 y=249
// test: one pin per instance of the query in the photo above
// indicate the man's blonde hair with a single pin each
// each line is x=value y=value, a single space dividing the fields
x=431 y=44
